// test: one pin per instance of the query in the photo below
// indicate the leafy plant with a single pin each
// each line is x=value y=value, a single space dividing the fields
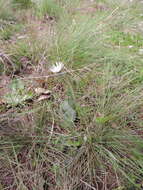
x=18 y=94
x=68 y=113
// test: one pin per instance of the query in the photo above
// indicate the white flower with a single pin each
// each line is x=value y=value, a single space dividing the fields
x=57 y=67
x=130 y=46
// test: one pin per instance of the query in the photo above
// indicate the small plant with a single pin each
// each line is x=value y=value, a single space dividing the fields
x=18 y=94
x=67 y=112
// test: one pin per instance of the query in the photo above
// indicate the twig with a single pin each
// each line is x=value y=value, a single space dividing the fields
x=88 y=185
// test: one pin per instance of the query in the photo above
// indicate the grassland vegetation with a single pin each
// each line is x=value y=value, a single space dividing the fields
x=71 y=95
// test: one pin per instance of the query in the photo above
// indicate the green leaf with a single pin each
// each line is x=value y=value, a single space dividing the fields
x=74 y=143
x=67 y=111
x=102 y=120
x=18 y=93
x=17 y=85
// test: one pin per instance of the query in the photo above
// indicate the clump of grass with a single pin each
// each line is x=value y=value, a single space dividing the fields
x=6 y=12
x=50 y=8
x=25 y=52
x=101 y=144
x=126 y=39
x=19 y=51
x=22 y=4
x=75 y=42
x=108 y=143
x=9 y=30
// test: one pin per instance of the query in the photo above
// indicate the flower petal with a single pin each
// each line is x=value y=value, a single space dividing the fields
x=57 y=67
